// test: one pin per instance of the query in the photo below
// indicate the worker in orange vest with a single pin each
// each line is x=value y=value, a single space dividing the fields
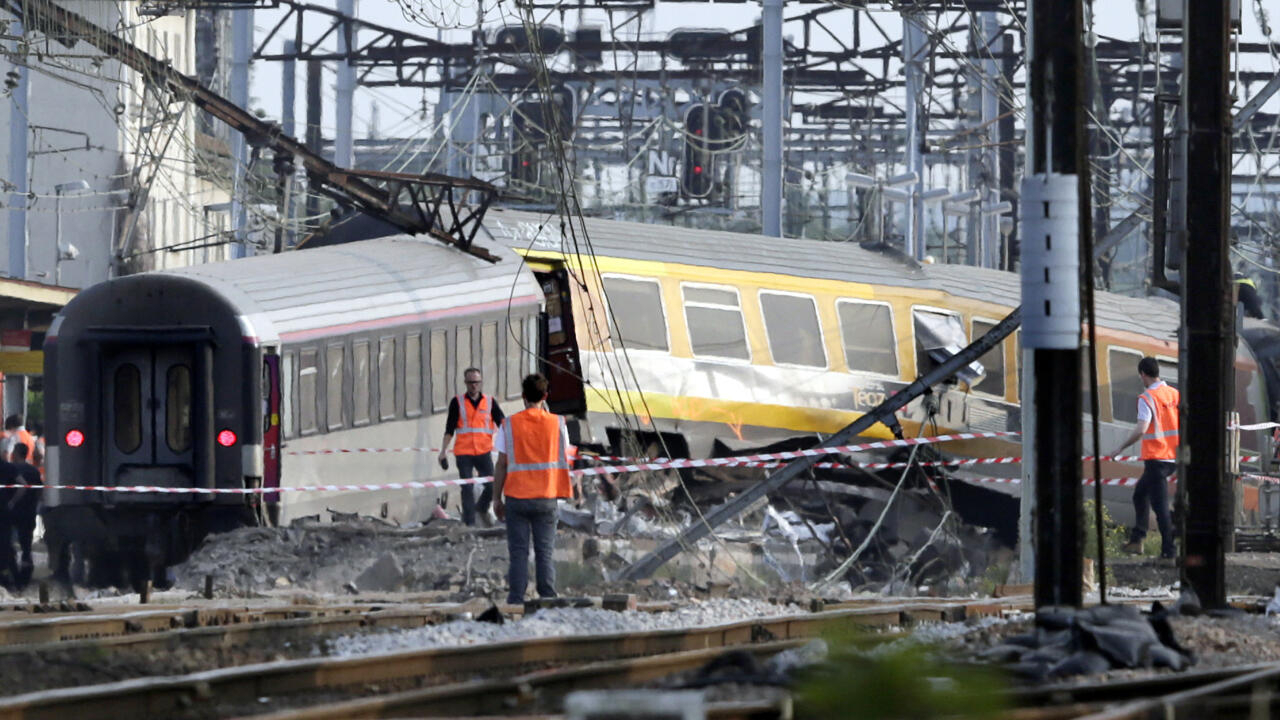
x=473 y=419
x=531 y=476
x=1158 y=428
x=15 y=433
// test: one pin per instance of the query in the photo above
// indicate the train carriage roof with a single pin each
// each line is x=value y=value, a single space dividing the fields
x=838 y=261
x=344 y=285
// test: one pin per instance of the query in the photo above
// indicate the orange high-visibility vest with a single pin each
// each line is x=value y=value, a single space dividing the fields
x=537 y=455
x=27 y=439
x=1160 y=438
x=475 y=428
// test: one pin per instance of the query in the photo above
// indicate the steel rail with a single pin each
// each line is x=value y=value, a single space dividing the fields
x=531 y=692
x=159 y=621
x=164 y=696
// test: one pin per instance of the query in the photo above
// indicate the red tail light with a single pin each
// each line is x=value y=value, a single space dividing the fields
x=74 y=438
x=226 y=438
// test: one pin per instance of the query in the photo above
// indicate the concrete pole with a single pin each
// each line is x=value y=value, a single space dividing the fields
x=343 y=145
x=990 y=159
x=289 y=88
x=771 y=66
x=18 y=114
x=1207 y=309
x=1056 y=187
x=241 y=52
x=1027 y=501
x=913 y=226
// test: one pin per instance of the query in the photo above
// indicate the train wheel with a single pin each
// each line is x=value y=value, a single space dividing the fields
x=106 y=567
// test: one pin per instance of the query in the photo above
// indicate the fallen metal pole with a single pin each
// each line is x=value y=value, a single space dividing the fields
x=645 y=566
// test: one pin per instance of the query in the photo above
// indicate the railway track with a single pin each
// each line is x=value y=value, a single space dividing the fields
x=446 y=672
x=135 y=621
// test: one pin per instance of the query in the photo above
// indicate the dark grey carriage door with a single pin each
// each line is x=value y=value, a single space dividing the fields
x=148 y=417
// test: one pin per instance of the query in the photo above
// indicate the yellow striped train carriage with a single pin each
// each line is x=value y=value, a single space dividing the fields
x=746 y=340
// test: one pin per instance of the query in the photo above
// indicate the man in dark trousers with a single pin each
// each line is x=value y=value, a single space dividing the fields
x=473 y=419
x=1158 y=428
x=531 y=476
x=22 y=509
x=9 y=572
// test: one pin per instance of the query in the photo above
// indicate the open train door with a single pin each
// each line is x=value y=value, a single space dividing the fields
x=558 y=342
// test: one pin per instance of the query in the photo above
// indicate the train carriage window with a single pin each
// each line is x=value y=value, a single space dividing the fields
x=128 y=408
x=939 y=335
x=286 y=399
x=387 y=378
x=308 y=376
x=869 y=341
x=791 y=324
x=177 y=411
x=489 y=356
x=439 y=382
x=1126 y=386
x=360 y=383
x=413 y=375
x=1169 y=372
x=333 y=386
x=992 y=361
x=530 y=347
x=636 y=315
x=716 y=327
x=465 y=360
x=512 y=368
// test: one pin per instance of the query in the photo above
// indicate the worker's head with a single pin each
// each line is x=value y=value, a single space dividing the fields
x=534 y=389
x=13 y=422
x=1149 y=369
x=472 y=377
x=19 y=452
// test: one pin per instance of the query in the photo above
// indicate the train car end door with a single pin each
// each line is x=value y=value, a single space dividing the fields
x=559 y=354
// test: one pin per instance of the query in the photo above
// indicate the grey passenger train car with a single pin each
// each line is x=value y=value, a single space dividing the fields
x=257 y=373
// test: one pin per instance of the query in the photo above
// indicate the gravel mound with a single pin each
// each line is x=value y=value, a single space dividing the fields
x=558 y=622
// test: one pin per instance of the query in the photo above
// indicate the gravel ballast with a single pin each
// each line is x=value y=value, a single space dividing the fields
x=559 y=622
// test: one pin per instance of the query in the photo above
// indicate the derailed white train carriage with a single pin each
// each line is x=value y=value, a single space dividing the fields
x=251 y=373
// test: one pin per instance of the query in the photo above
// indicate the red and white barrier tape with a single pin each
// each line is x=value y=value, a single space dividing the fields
x=757 y=460
x=351 y=451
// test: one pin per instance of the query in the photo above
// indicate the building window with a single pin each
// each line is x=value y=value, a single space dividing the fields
x=716 y=327
x=413 y=375
x=791 y=324
x=992 y=361
x=866 y=330
x=636 y=315
x=333 y=386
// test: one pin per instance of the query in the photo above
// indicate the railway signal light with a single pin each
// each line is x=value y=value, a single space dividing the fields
x=74 y=438
x=531 y=124
x=698 y=170
x=227 y=438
